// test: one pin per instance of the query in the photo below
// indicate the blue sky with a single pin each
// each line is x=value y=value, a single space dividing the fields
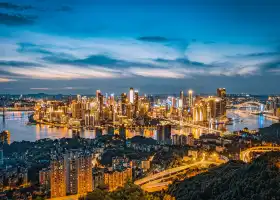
x=156 y=46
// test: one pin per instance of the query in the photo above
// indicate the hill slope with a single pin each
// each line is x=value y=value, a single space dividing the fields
x=259 y=180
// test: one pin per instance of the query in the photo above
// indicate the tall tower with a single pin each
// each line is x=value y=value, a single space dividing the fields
x=221 y=92
x=123 y=103
x=58 y=177
x=131 y=95
x=136 y=101
x=190 y=98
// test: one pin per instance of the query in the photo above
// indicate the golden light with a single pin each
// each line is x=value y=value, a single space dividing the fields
x=190 y=91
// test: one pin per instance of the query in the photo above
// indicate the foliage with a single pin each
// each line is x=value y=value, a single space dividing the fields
x=128 y=192
x=259 y=180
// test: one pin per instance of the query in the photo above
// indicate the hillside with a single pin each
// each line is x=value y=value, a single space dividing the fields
x=259 y=180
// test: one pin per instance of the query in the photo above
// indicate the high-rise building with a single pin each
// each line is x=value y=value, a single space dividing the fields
x=164 y=134
x=5 y=137
x=78 y=172
x=58 y=177
x=76 y=108
x=44 y=178
x=131 y=95
x=221 y=92
x=98 y=92
x=84 y=173
x=136 y=101
x=190 y=98
x=190 y=139
x=123 y=103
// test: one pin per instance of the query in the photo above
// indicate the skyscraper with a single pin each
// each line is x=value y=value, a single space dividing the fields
x=136 y=102
x=58 y=177
x=5 y=137
x=190 y=98
x=221 y=92
x=131 y=95
x=123 y=103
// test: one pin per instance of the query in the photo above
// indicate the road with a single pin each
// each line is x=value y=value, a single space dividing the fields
x=245 y=155
x=172 y=172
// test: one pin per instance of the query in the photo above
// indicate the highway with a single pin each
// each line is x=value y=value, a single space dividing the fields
x=154 y=182
x=245 y=155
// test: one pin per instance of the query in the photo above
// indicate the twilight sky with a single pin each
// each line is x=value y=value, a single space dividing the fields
x=156 y=46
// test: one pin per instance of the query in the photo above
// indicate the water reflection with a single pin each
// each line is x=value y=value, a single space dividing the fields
x=15 y=122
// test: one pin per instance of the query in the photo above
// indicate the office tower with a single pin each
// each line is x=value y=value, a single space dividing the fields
x=190 y=98
x=5 y=137
x=136 y=101
x=100 y=101
x=79 y=98
x=123 y=103
x=76 y=108
x=131 y=95
x=58 y=177
x=98 y=92
x=221 y=92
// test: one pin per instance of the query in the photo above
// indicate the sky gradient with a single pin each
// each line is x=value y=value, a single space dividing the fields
x=156 y=46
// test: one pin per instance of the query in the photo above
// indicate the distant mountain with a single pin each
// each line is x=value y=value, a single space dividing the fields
x=259 y=180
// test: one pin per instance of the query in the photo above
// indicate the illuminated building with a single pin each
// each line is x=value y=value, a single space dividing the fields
x=190 y=98
x=76 y=108
x=131 y=95
x=5 y=137
x=98 y=92
x=136 y=102
x=122 y=131
x=58 y=177
x=84 y=174
x=97 y=178
x=117 y=178
x=145 y=165
x=190 y=140
x=164 y=134
x=79 y=98
x=44 y=178
x=89 y=118
x=221 y=92
x=123 y=103
x=78 y=172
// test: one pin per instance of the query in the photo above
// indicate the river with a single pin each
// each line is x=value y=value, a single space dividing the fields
x=16 y=122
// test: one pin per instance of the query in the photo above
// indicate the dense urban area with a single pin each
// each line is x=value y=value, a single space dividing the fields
x=140 y=150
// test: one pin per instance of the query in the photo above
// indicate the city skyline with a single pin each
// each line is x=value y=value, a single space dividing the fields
x=158 y=47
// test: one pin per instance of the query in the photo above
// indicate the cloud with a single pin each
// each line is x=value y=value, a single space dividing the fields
x=63 y=72
x=16 y=20
x=40 y=88
x=7 y=5
x=17 y=63
x=157 y=72
x=153 y=39
x=5 y=80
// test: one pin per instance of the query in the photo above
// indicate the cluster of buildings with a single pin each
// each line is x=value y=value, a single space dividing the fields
x=5 y=137
x=130 y=109
x=273 y=104
x=13 y=177
x=74 y=173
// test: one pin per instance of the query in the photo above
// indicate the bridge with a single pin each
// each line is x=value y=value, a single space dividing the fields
x=246 y=154
x=161 y=180
x=204 y=128
x=252 y=105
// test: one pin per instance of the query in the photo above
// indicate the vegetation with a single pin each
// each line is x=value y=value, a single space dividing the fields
x=129 y=192
x=234 y=180
x=271 y=133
